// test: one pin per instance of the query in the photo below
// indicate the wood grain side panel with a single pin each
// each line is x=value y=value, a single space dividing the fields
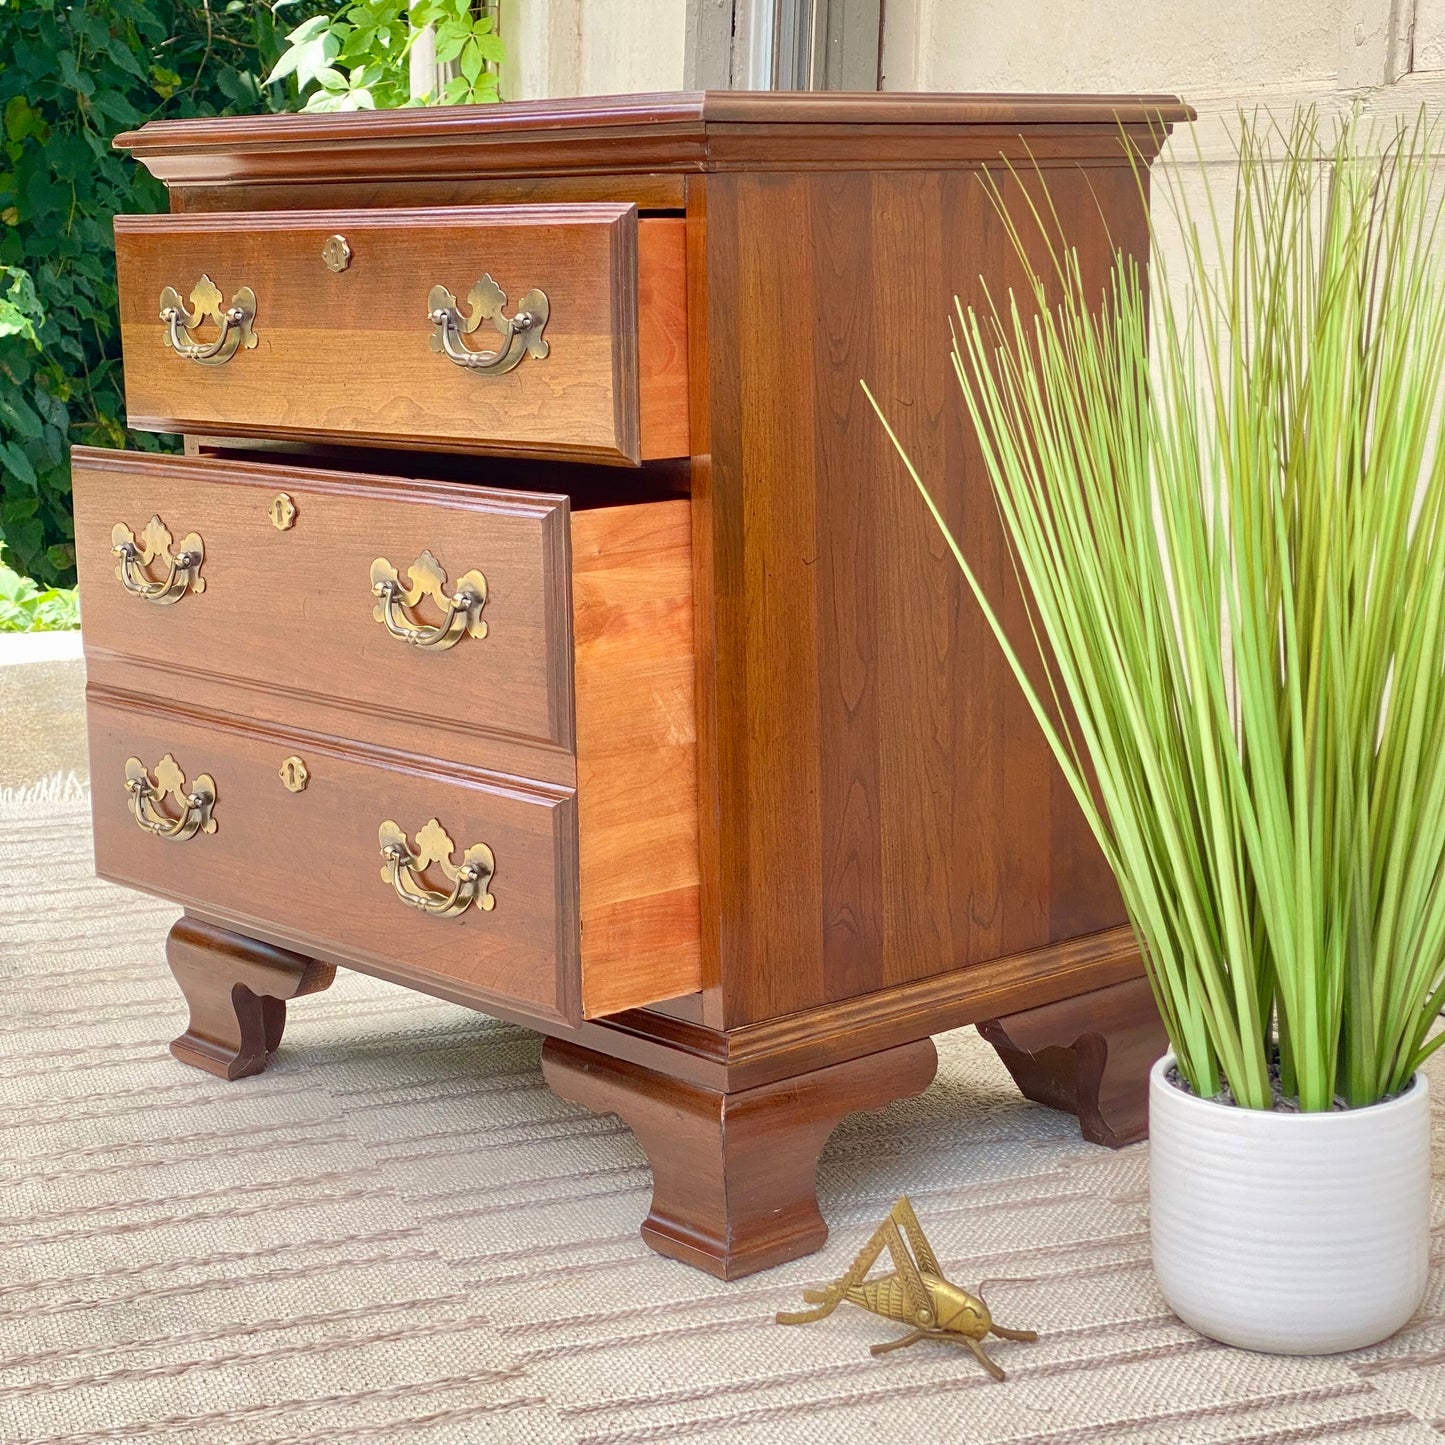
x=292 y=610
x=887 y=809
x=636 y=754
x=348 y=354
x=307 y=865
x=846 y=588
x=765 y=518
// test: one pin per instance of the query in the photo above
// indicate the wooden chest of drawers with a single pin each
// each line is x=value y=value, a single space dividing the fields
x=539 y=619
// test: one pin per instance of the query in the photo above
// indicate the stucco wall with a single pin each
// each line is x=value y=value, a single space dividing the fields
x=1222 y=56
x=592 y=47
x=1102 y=45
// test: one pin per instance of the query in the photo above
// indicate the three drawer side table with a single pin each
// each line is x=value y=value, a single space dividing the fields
x=538 y=616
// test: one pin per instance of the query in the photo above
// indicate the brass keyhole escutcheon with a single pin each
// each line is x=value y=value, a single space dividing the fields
x=294 y=775
x=336 y=252
x=282 y=512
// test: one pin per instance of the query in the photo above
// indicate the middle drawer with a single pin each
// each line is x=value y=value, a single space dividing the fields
x=335 y=586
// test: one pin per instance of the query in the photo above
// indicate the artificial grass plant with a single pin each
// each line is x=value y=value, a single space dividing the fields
x=1228 y=517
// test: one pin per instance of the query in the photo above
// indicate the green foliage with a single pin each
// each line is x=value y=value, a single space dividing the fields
x=20 y=309
x=73 y=73
x=358 y=58
x=24 y=607
x=1233 y=541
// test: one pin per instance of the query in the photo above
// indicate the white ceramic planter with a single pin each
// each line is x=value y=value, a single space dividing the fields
x=1299 y=1234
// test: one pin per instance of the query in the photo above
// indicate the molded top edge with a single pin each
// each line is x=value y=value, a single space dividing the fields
x=629 y=132
x=713 y=107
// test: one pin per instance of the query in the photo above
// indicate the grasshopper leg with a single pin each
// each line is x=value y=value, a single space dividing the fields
x=982 y=1358
x=910 y=1339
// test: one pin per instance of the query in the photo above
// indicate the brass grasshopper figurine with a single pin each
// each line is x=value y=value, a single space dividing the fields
x=915 y=1294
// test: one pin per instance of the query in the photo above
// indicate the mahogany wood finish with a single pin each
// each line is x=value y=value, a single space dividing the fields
x=596 y=907
x=631 y=136
x=622 y=865
x=1089 y=1056
x=309 y=863
x=734 y=1175
x=347 y=354
x=292 y=610
x=237 y=990
x=889 y=809
x=808 y=796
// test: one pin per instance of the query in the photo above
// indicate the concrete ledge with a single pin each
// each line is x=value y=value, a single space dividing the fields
x=39 y=647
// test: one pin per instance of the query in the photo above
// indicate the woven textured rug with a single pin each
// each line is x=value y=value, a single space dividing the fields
x=398 y=1233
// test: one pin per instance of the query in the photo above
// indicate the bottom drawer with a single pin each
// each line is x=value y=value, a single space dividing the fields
x=199 y=809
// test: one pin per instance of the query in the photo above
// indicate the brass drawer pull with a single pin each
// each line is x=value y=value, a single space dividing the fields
x=462 y=609
x=183 y=566
x=234 y=323
x=521 y=334
x=145 y=795
x=401 y=864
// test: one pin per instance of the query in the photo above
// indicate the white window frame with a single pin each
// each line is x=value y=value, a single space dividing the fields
x=784 y=44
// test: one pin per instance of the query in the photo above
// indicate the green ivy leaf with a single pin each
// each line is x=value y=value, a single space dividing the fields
x=470 y=62
x=20 y=310
x=16 y=462
x=124 y=58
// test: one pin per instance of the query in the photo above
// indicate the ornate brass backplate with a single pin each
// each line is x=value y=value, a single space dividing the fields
x=294 y=775
x=461 y=609
x=402 y=867
x=916 y=1294
x=336 y=253
x=183 y=566
x=233 y=323
x=282 y=512
x=146 y=795
x=521 y=334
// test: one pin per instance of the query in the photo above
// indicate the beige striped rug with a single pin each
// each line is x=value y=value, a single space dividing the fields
x=398 y=1233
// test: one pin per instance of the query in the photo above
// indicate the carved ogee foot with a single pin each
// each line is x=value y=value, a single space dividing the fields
x=1089 y=1056
x=734 y=1176
x=237 y=990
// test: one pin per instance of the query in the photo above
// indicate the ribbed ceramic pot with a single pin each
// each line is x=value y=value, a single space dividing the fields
x=1299 y=1234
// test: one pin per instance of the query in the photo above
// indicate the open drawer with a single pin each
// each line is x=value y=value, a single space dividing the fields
x=477 y=883
x=548 y=330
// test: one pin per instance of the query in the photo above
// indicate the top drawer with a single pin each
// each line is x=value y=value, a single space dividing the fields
x=380 y=326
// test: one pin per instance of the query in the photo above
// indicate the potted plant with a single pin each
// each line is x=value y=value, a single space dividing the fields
x=1226 y=502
